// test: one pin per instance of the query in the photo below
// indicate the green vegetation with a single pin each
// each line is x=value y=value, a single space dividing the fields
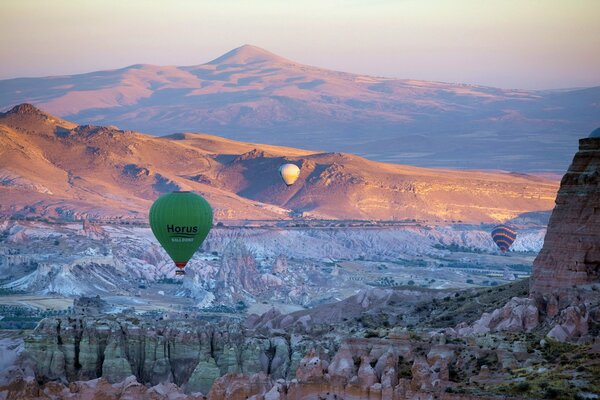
x=10 y=292
x=170 y=281
x=420 y=263
x=455 y=248
x=404 y=368
x=384 y=281
x=16 y=317
x=238 y=308
x=520 y=267
x=569 y=370
x=467 y=305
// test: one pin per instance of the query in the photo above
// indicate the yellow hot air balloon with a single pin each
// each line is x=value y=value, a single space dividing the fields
x=289 y=173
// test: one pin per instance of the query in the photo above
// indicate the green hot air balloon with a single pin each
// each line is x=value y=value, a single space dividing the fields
x=180 y=221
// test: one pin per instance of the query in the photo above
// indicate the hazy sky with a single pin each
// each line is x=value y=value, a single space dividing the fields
x=511 y=44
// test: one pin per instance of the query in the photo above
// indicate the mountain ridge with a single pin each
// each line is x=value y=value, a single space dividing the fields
x=54 y=168
x=253 y=95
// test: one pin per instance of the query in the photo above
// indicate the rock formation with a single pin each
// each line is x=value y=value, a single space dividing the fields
x=518 y=315
x=571 y=252
x=238 y=272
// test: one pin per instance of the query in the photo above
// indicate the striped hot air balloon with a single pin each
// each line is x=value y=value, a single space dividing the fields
x=504 y=236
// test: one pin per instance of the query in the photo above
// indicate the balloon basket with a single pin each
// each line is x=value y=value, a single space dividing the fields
x=179 y=272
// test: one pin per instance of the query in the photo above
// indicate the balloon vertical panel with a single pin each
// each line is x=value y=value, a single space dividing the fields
x=504 y=236
x=181 y=221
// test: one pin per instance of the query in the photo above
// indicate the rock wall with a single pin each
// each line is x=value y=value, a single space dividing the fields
x=189 y=353
x=571 y=252
x=225 y=361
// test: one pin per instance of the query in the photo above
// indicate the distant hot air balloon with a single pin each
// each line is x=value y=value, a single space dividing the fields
x=289 y=173
x=504 y=236
x=180 y=221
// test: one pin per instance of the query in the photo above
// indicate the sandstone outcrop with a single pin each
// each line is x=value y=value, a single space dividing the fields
x=95 y=389
x=193 y=352
x=518 y=315
x=571 y=323
x=571 y=252
x=238 y=276
x=240 y=386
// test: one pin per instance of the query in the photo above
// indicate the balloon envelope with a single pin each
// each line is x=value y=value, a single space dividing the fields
x=504 y=236
x=180 y=221
x=289 y=173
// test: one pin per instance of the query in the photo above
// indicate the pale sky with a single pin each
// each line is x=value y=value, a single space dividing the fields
x=505 y=43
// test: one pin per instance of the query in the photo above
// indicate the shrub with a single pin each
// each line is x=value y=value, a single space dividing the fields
x=522 y=387
x=551 y=393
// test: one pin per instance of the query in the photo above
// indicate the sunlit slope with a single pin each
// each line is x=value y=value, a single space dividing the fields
x=52 y=167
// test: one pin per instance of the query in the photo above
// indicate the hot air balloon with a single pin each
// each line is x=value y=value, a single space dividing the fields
x=180 y=221
x=504 y=236
x=289 y=173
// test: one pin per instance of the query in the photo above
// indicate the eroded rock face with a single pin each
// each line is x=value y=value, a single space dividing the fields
x=240 y=386
x=95 y=389
x=518 y=315
x=182 y=359
x=571 y=252
x=181 y=352
x=224 y=361
x=239 y=274
x=572 y=322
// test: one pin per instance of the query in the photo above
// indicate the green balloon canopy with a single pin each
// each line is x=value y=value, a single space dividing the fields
x=181 y=221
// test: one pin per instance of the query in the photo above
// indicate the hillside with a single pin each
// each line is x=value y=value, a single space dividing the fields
x=253 y=95
x=51 y=167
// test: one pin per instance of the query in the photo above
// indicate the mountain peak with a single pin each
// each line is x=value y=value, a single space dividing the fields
x=248 y=54
x=26 y=109
x=26 y=113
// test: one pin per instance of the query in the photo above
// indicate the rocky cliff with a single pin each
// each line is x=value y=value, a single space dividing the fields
x=571 y=252
x=191 y=354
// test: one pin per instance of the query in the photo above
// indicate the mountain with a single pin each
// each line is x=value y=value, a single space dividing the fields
x=54 y=168
x=253 y=95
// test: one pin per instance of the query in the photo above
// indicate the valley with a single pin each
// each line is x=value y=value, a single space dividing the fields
x=244 y=267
